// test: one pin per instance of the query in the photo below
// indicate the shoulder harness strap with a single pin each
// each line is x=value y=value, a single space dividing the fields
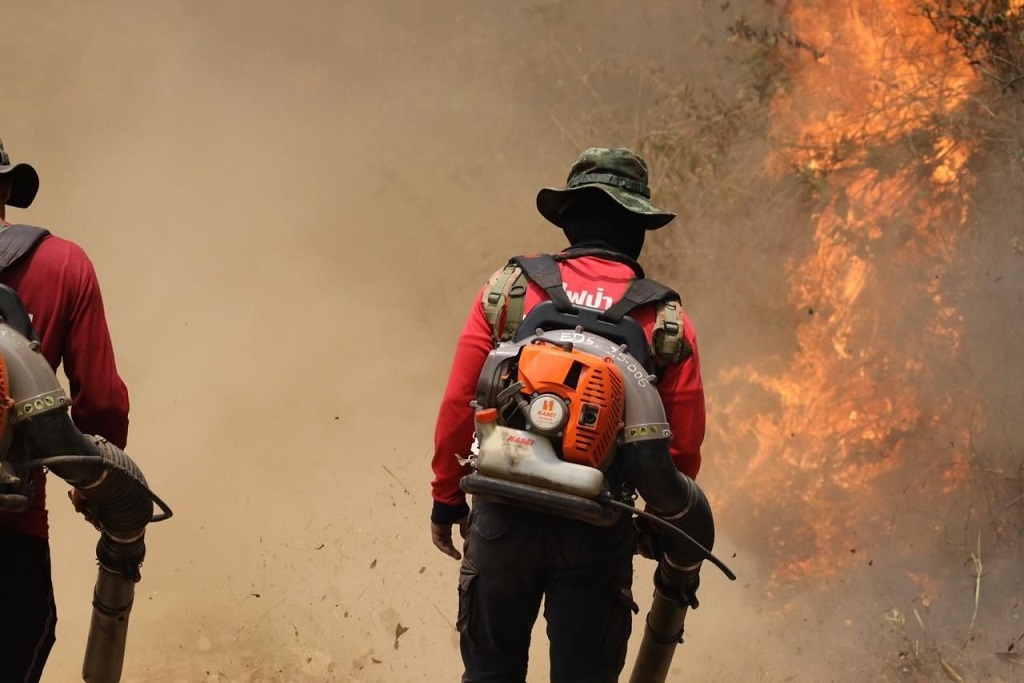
x=543 y=269
x=503 y=301
x=505 y=295
x=668 y=343
x=641 y=291
x=17 y=241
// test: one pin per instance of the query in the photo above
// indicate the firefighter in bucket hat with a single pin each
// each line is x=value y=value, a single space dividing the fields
x=57 y=284
x=515 y=554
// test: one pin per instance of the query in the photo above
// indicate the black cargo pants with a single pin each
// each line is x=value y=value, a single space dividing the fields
x=513 y=558
x=28 y=616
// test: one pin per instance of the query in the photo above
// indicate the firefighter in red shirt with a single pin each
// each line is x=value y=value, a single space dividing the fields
x=515 y=556
x=57 y=283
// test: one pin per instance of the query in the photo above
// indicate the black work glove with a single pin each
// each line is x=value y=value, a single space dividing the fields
x=14 y=502
x=14 y=497
x=648 y=539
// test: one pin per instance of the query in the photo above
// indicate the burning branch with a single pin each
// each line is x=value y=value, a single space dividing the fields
x=988 y=34
x=770 y=37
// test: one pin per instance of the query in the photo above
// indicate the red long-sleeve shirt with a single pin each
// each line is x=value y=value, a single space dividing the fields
x=58 y=286
x=680 y=386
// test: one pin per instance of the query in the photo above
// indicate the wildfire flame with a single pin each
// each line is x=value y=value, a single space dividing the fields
x=869 y=119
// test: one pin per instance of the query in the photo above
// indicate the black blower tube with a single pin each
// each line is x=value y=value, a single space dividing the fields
x=676 y=498
x=119 y=499
x=663 y=630
x=115 y=488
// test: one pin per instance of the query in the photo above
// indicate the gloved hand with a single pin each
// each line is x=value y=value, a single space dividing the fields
x=81 y=505
x=14 y=502
x=677 y=584
x=11 y=502
x=648 y=539
x=441 y=535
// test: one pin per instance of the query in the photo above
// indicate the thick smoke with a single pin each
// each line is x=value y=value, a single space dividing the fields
x=290 y=206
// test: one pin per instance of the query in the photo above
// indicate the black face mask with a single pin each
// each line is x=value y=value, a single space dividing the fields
x=599 y=221
x=616 y=230
x=627 y=242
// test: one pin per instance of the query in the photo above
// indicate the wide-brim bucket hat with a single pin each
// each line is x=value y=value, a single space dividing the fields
x=24 y=181
x=617 y=173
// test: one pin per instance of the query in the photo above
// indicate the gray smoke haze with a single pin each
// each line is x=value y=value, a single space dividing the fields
x=290 y=206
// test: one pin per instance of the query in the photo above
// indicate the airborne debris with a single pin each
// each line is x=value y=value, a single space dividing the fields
x=399 y=630
x=395 y=477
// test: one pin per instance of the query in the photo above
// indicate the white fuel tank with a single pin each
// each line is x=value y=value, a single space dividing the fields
x=528 y=458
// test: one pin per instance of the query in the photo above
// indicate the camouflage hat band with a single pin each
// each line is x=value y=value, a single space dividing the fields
x=609 y=179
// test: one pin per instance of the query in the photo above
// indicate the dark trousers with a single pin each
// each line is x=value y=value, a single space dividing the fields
x=513 y=558
x=28 y=615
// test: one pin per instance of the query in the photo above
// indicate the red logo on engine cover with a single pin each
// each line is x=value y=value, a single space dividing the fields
x=521 y=440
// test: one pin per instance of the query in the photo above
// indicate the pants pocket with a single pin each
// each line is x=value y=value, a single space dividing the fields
x=491 y=522
x=467 y=603
x=620 y=625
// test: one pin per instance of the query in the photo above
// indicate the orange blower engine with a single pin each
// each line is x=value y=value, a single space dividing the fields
x=548 y=421
x=574 y=398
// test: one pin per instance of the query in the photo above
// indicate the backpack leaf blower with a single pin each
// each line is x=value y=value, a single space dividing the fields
x=569 y=422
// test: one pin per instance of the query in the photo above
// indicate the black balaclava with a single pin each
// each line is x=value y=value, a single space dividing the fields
x=599 y=221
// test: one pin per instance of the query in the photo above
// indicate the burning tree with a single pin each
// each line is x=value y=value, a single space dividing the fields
x=870 y=440
x=840 y=188
x=870 y=120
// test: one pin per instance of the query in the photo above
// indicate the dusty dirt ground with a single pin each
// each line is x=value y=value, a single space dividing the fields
x=289 y=210
x=290 y=206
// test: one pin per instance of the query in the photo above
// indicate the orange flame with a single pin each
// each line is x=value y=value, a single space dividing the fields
x=864 y=121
